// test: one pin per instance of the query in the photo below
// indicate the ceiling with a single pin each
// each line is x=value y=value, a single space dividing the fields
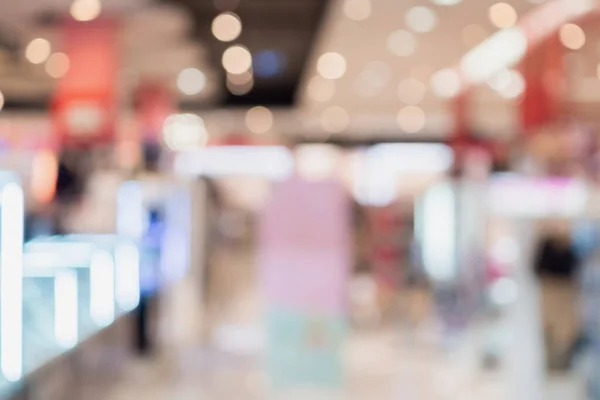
x=162 y=37
x=286 y=29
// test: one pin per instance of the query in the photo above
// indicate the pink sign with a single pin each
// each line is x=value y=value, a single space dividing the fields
x=304 y=247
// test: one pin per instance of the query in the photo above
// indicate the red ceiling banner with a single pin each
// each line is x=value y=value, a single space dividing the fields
x=84 y=106
x=153 y=104
x=544 y=78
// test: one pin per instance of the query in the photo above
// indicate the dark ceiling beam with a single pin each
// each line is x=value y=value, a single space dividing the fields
x=34 y=104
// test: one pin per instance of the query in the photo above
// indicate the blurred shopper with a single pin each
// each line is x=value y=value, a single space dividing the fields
x=588 y=344
x=556 y=265
x=70 y=186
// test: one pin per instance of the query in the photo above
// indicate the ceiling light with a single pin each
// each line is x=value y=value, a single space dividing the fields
x=401 y=43
x=503 y=49
x=373 y=79
x=509 y=84
x=357 y=10
x=331 y=65
x=86 y=10
x=335 y=119
x=240 y=79
x=321 y=90
x=241 y=89
x=421 y=19
x=227 y=27
x=446 y=2
x=268 y=63
x=184 y=131
x=515 y=87
x=473 y=35
x=411 y=91
x=500 y=81
x=237 y=59
x=58 y=65
x=38 y=51
x=191 y=81
x=572 y=36
x=503 y=15
x=411 y=119
x=259 y=119
x=445 y=83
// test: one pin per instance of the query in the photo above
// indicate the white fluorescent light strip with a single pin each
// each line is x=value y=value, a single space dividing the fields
x=439 y=232
x=66 y=308
x=127 y=263
x=11 y=282
x=272 y=162
x=500 y=51
x=102 y=288
x=507 y=47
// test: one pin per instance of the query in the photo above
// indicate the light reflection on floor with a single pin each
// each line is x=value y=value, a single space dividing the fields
x=380 y=365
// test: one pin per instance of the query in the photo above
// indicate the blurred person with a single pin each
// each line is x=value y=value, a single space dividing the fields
x=584 y=349
x=70 y=187
x=556 y=264
x=149 y=280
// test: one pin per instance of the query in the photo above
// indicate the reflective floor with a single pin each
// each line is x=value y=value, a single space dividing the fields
x=394 y=361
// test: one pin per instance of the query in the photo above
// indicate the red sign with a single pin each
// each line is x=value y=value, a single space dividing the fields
x=153 y=104
x=84 y=106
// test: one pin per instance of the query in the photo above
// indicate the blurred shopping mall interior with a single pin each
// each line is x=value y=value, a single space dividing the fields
x=299 y=199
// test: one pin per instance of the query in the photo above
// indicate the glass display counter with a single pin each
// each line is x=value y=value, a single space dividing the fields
x=73 y=287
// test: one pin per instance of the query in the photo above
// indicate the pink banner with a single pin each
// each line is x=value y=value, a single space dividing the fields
x=304 y=247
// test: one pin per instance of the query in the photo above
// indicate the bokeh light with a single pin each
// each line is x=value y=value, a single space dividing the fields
x=373 y=79
x=237 y=59
x=184 y=132
x=572 y=36
x=421 y=19
x=445 y=83
x=331 y=65
x=240 y=89
x=86 y=10
x=58 y=65
x=402 y=43
x=268 y=63
x=509 y=84
x=503 y=15
x=259 y=119
x=227 y=27
x=411 y=119
x=191 y=81
x=240 y=79
x=2 y=101
x=38 y=51
x=335 y=119
x=358 y=10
